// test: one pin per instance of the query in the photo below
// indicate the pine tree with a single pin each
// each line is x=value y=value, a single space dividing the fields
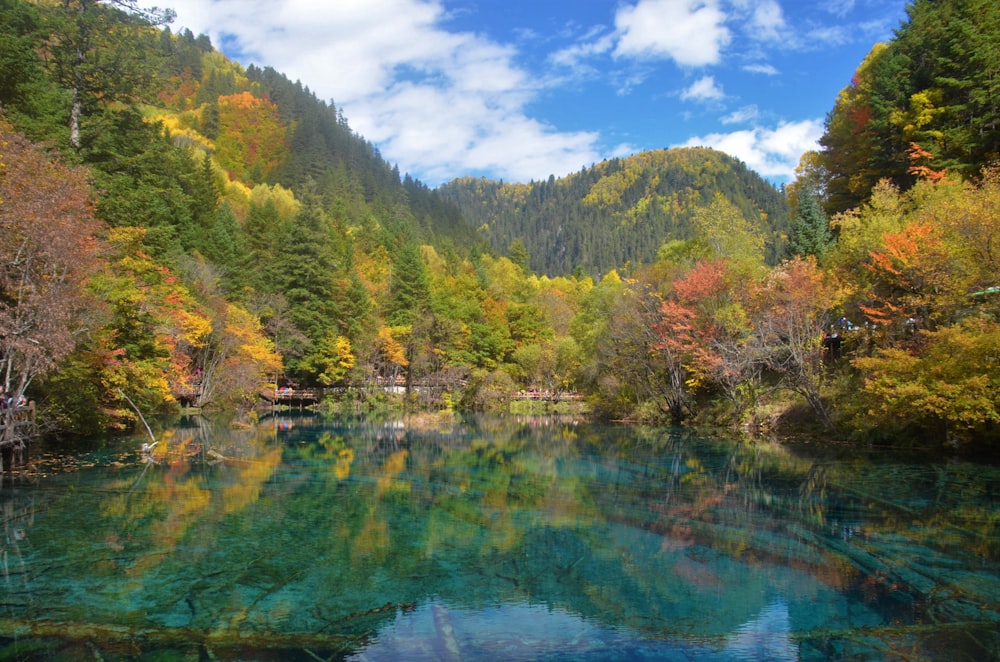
x=409 y=287
x=810 y=233
x=519 y=255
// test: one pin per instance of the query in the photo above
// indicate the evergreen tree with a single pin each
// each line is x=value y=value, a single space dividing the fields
x=810 y=233
x=102 y=54
x=935 y=85
x=20 y=66
x=303 y=272
x=409 y=287
x=518 y=254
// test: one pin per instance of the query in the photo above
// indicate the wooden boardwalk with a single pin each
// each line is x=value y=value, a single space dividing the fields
x=302 y=397
x=291 y=397
x=550 y=396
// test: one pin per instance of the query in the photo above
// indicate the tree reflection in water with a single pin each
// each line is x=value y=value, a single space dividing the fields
x=495 y=538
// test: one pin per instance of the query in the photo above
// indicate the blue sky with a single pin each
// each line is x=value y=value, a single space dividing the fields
x=522 y=89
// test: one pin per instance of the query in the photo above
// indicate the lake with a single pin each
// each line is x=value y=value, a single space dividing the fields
x=494 y=539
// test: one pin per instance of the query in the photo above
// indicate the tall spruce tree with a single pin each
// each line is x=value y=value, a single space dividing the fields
x=409 y=286
x=810 y=233
x=303 y=272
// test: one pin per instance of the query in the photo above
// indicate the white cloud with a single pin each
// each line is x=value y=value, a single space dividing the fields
x=703 y=89
x=445 y=131
x=773 y=153
x=443 y=103
x=767 y=22
x=575 y=55
x=766 y=69
x=438 y=103
x=742 y=115
x=690 y=32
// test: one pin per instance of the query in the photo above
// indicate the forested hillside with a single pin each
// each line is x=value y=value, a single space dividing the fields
x=245 y=232
x=176 y=229
x=619 y=212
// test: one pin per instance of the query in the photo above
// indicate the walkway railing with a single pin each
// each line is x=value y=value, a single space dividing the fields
x=292 y=395
x=552 y=396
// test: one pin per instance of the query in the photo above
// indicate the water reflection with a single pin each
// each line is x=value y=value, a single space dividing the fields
x=437 y=538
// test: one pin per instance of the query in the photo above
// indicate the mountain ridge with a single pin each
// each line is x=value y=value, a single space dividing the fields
x=619 y=212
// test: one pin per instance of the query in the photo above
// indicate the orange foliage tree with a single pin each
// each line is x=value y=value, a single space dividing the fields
x=236 y=360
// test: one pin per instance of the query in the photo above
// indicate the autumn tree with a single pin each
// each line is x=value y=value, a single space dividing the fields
x=932 y=293
x=236 y=359
x=705 y=324
x=946 y=388
x=640 y=377
x=728 y=233
x=391 y=359
x=156 y=326
x=935 y=84
x=331 y=361
x=950 y=81
x=913 y=282
x=792 y=316
x=48 y=250
x=851 y=154
x=252 y=139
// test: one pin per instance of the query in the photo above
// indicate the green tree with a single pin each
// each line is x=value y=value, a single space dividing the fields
x=100 y=54
x=728 y=233
x=331 y=361
x=303 y=272
x=810 y=233
x=409 y=287
x=934 y=85
x=26 y=94
x=519 y=255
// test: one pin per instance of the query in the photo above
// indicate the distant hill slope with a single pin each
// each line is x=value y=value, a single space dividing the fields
x=617 y=212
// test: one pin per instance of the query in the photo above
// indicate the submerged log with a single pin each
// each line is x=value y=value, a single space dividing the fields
x=114 y=635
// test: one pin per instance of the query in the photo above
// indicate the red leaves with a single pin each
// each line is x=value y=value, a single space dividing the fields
x=703 y=320
x=47 y=250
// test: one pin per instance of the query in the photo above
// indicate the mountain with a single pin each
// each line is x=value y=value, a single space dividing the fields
x=618 y=212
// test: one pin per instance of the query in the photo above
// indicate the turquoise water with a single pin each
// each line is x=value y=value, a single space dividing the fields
x=509 y=539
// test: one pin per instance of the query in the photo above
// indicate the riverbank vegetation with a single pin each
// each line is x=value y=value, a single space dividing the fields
x=189 y=232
